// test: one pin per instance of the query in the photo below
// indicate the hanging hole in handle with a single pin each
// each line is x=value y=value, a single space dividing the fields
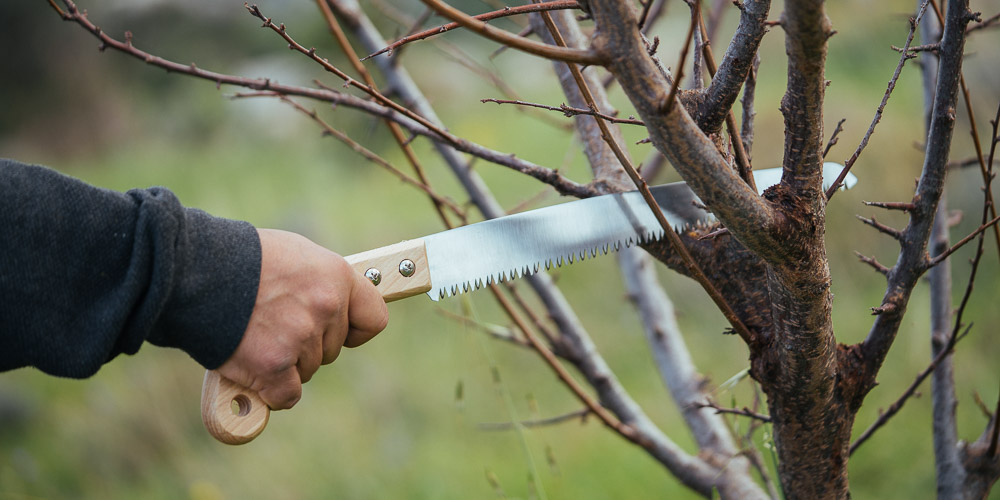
x=240 y=405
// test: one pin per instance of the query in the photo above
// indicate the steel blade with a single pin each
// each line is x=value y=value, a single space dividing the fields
x=493 y=251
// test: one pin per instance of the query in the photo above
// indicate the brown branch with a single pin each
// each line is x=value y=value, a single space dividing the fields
x=892 y=205
x=945 y=254
x=966 y=97
x=498 y=332
x=882 y=228
x=992 y=451
x=745 y=412
x=911 y=263
x=370 y=155
x=668 y=104
x=914 y=22
x=311 y=53
x=986 y=23
x=898 y=404
x=587 y=57
x=580 y=415
x=488 y=16
x=834 y=137
x=397 y=132
x=732 y=65
x=675 y=240
x=567 y=110
x=602 y=413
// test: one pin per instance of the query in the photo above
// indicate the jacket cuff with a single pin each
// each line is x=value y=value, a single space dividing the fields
x=217 y=278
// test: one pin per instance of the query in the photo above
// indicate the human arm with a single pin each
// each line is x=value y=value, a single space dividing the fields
x=87 y=274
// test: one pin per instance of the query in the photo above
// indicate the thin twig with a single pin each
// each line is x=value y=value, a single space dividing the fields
x=743 y=165
x=566 y=110
x=588 y=57
x=745 y=412
x=986 y=23
x=602 y=413
x=914 y=22
x=488 y=16
x=372 y=156
x=898 y=404
x=874 y=263
x=944 y=255
x=668 y=105
x=892 y=205
x=580 y=415
x=498 y=332
x=394 y=128
x=325 y=63
x=834 y=137
x=882 y=228
x=996 y=431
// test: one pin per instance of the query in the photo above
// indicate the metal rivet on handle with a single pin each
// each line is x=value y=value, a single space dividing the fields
x=373 y=275
x=407 y=268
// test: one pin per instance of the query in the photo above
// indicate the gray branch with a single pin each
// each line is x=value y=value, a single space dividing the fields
x=736 y=63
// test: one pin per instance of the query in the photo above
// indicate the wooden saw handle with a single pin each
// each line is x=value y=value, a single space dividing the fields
x=234 y=414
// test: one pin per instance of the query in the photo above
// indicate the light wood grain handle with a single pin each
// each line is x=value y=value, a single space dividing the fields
x=234 y=414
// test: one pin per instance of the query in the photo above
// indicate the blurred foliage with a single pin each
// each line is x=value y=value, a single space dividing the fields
x=400 y=417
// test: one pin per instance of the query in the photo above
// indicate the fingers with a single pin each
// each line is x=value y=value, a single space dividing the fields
x=367 y=312
x=310 y=357
x=283 y=391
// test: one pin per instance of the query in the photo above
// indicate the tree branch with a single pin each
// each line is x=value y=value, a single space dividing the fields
x=489 y=16
x=567 y=111
x=588 y=57
x=580 y=415
x=914 y=22
x=735 y=66
x=397 y=132
x=911 y=262
x=677 y=136
x=898 y=404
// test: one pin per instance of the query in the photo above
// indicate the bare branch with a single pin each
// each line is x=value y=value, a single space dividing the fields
x=898 y=404
x=892 y=205
x=885 y=100
x=911 y=263
x=567 y=110
x=488 y=16
x=397 y=132
x=834 y=137
x=675 y=241
x=580 y=415
x=374 y=158
x=992 y=21
x=735 y=66
x=498 y=332
x=882 y=228
x=744 y=412
x=589 y=57
x=742 y=158
x=677 y=136
x=874 y=263
x=944 y=255
x=749 y=94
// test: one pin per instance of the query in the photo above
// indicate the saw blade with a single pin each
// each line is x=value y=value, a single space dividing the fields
x=493 y=251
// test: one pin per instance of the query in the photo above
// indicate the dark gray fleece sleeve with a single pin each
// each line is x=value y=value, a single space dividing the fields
x=87 y=274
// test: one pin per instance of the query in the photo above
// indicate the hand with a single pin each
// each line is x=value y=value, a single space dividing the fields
x=310 y=303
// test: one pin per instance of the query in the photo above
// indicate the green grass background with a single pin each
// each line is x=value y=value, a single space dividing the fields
x=400 y=417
